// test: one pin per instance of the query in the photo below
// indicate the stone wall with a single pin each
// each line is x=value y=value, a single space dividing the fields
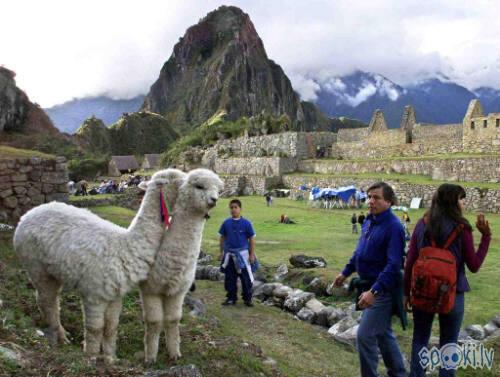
x=286 y=144
x=28 y=182
x=473 y=169
x=487 y=200
x=425 y=139
x=267 y=166
x=235 y=185
x=347 y=135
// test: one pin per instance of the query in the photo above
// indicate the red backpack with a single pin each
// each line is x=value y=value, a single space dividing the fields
x=434 y=277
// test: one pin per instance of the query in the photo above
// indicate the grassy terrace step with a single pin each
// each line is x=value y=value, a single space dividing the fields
x=10 y=152
x=403 y=178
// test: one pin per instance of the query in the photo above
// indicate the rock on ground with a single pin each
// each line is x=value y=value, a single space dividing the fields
x=304 y=261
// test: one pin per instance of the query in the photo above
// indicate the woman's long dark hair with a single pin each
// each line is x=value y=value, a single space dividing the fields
x=445 y=208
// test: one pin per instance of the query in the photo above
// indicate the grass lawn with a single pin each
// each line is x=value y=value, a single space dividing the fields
x=234 y=341
x=6 y=151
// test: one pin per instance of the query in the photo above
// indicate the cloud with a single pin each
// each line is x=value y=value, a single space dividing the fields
x=62 y=49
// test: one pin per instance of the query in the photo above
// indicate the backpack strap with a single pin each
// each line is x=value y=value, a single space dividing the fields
x=453 y=235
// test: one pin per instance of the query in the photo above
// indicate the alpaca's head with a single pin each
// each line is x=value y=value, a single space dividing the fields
x=200 y=191
x=168 y=180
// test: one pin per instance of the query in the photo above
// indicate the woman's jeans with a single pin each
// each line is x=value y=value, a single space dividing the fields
x=449 y=328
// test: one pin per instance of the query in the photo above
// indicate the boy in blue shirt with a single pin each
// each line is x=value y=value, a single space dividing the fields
x=237 y=253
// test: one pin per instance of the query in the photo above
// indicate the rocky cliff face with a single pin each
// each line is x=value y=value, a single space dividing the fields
x=17 y=113
x=220 y=64
x=134 y=133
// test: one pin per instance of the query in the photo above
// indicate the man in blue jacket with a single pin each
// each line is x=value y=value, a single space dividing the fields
x=378 y=260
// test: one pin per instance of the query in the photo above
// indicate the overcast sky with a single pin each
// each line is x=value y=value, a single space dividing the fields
x=66 y=49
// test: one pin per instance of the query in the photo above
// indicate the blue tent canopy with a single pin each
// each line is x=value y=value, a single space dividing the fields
x=344 y=193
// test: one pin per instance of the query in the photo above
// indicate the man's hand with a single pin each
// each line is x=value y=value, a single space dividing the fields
x=251 y=258
x=339 y=280
x=406 y=304
x=366 y=300
x=220 y=256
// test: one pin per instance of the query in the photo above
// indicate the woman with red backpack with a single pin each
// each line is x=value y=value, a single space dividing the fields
x=435 y=281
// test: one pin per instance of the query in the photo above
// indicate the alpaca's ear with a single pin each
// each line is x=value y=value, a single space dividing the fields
x=143 y=185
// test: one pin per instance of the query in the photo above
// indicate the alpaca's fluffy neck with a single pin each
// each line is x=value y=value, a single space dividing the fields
x=146 y=230
x=148 y=216
x=179 y=250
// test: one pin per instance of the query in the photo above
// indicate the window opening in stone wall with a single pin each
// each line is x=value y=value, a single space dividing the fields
x=498 y=123
x=485 y=123
x=472 y=126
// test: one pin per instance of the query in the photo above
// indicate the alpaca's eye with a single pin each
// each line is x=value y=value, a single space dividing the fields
x=200 y=187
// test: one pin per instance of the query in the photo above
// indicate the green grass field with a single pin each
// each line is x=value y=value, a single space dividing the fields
x=235 y=341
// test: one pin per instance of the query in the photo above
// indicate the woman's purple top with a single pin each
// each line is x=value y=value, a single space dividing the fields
x=462 y=248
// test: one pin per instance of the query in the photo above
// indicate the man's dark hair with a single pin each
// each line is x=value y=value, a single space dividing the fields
x=387 y=192
x=235 y=201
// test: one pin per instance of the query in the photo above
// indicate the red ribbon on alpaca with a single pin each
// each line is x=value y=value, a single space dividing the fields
x=165 y=217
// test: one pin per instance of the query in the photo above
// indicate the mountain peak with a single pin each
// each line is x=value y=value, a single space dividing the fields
x=220 y=64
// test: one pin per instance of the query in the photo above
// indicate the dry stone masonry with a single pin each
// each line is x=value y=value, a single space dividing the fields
x=28 y=182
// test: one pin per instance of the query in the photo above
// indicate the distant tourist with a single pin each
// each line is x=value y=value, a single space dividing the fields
x=237 y=254
x=284 y=219
x=361 y=219
x=81 y=188
x=442 y=227
x=405 y=220
x=269 y=199
x=378 y=260
x=354 y=222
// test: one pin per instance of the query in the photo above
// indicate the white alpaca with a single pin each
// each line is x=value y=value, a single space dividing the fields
x=64 y=245
x=174 y=268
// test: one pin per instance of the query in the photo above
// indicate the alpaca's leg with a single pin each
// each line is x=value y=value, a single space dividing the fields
x=153 y=323
x=172 y=308
x=48 y=290
x=94 y=326
x=111 y=320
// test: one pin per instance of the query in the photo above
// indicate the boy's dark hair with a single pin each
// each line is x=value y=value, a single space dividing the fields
x=235 y=201
x=387 y=192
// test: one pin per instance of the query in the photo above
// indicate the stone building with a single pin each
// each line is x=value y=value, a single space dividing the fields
x=119 y=165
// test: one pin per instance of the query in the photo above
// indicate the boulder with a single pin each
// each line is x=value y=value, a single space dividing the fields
x=281 y=272
x=348 y=337
x=258 y=290
x=475 y=332
x=268 y=288
x=342 y=326
x=304 y=261
x=335 y=316
x=315 y=306
x=274 y=301
x=322 y=316
x=490 y=328
x=317 y=286
x=282 y=291
x=306 y=315
x=197 y=307
x=297 y=300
